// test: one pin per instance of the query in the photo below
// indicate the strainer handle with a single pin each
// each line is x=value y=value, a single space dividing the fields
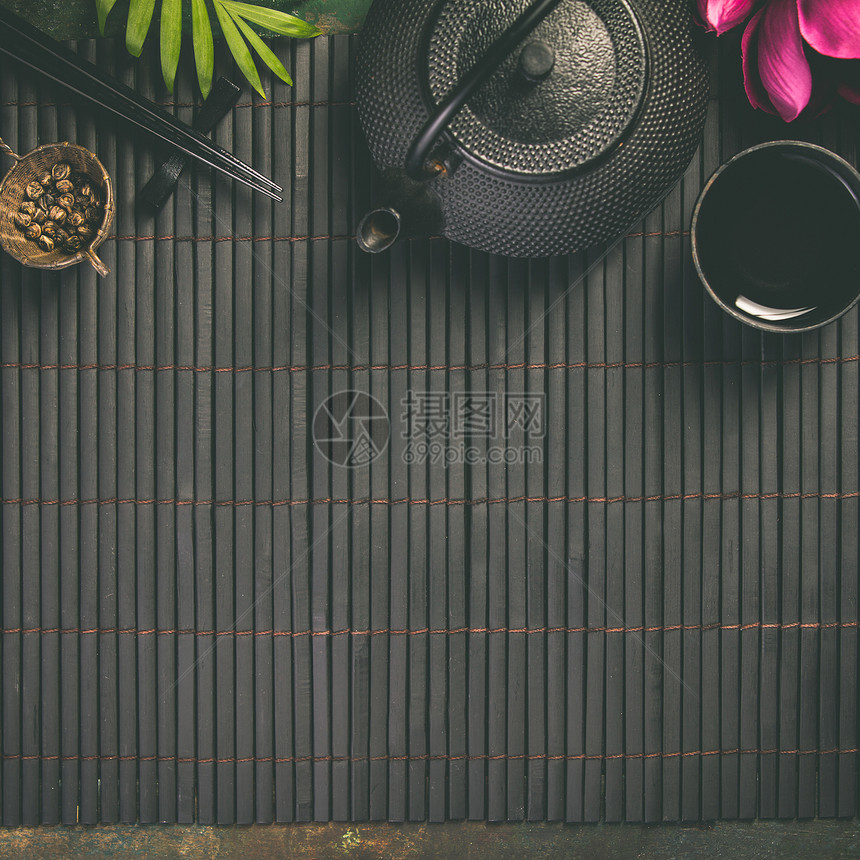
x=4 y=147
x=96 y=262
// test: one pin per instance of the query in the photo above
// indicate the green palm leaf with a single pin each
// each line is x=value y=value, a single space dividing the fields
x=278 y=22
x=265 y=52
x=234 y=17
x=204 y=48
x=238 y=47
x=139 y=19
x=103 y=8
x=171 y=39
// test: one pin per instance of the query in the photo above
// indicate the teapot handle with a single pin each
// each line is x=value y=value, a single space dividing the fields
x=418 y=165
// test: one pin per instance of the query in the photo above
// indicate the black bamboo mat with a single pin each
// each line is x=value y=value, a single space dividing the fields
x=649 y=614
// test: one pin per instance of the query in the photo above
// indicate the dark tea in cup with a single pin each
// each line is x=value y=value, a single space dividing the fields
x=776 y=236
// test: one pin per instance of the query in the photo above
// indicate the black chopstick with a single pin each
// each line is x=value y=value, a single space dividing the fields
x=26 y=44
x=162 y=183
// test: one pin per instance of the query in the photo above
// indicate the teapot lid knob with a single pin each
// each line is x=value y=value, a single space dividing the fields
x=537 y=60
x=566 y=92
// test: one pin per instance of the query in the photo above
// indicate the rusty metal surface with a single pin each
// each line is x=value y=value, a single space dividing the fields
x=823 y=840
x=76 y=19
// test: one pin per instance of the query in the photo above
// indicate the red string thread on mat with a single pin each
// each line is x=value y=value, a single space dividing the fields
x=428 y=757
x=426 y=631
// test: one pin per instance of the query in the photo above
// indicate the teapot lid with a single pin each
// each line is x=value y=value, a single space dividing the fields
x=566 y=98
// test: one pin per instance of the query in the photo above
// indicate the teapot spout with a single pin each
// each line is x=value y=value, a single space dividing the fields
x=379 y=230
x=409 y=209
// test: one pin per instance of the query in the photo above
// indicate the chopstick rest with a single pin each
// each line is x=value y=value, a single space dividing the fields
x=163 y=182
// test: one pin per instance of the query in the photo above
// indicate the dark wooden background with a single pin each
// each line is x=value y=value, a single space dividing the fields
x=204 y=621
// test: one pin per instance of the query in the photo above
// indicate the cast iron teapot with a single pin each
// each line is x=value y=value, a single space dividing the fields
x=527 y=128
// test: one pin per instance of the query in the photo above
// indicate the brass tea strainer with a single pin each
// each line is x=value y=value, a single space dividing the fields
x=13 y=193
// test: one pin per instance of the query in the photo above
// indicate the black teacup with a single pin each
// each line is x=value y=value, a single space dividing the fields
x=776 y=236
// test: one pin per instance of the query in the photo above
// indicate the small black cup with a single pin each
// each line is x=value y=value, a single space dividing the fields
x=776 y=237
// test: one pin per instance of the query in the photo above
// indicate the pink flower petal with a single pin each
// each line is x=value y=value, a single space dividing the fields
x=756 y=92
x=832 y=27
x=722 y=15
x=782 y=64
